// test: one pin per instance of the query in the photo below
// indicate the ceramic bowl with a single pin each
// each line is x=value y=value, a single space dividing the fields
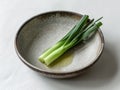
x=42 y=31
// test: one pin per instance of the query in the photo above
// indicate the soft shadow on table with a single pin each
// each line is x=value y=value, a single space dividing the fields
x=99 y=75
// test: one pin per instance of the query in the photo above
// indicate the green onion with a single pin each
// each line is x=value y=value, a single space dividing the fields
x=82 y=31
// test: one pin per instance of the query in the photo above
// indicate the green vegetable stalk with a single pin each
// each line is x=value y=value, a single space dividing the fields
x=82 y=31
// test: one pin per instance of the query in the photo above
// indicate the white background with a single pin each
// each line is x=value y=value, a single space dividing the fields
x=104 y=75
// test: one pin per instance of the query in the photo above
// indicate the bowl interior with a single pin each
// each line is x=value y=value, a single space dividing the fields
x=41 y=32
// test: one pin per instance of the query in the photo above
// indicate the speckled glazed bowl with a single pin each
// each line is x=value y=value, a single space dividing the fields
x=44 y=30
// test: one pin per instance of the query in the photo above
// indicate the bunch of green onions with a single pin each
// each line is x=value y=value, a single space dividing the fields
x=82 y=31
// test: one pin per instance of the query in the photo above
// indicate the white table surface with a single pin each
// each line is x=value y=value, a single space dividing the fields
x=14 y=75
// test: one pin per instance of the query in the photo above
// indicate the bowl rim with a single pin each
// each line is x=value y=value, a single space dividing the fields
x=52 y=72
